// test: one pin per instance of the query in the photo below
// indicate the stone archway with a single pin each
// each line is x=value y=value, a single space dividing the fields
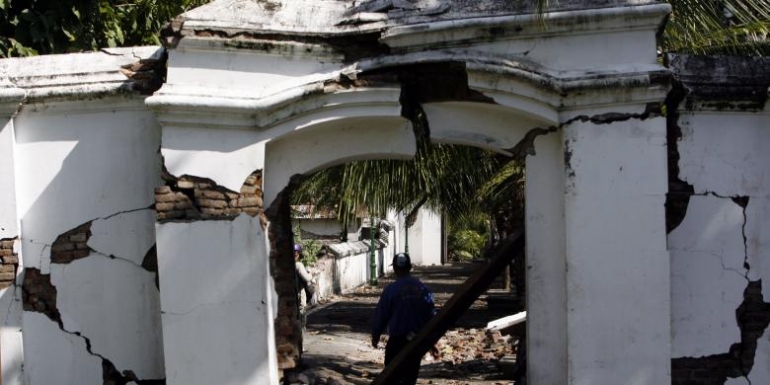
x=251 y=82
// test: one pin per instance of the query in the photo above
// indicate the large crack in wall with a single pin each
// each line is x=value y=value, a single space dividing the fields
x=679 y=191
x=288 y=326
x=753 y=317
x=753 y=314
x=39 y=295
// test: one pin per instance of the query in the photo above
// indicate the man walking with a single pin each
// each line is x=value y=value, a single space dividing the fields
x=405 y=306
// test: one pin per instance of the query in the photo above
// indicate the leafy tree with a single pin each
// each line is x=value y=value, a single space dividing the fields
x=32 y=27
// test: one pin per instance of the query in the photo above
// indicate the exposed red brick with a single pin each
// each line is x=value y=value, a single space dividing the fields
x=72 y=245
x=39 y=295
x=9 y=262
x=190 y=198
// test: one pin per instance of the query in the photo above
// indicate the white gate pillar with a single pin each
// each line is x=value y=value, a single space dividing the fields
x=617 y=265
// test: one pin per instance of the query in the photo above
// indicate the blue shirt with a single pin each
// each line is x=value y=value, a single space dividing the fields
x=405 y=306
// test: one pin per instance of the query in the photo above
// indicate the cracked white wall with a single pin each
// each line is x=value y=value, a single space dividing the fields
x=707 y=277
x=56 y=357
x=217 y=322
x=723 y=154
x=78 y=162
x=761 y=370
x=125 y=327
x=100 y=159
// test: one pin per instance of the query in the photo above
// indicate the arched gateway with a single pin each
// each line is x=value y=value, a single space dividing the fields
x=258 y=91
x=288 y=87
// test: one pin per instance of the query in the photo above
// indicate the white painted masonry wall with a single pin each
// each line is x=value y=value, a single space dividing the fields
x=79 y=162
x=720 y=246
x=11 y=351
x=216 y=276
x=617 y=269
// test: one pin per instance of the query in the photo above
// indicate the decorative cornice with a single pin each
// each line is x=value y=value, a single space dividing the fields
x=215 y=27
x=10 y=98
x=546 y=89
x=722 y=83
x=79 y=76
x=468 y=31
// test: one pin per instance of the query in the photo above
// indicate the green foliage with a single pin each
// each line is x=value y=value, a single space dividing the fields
x=466 y=239
x=310 y=247
x=465 y=245
x=729 y=27
x=60 y=26
x=442 y=177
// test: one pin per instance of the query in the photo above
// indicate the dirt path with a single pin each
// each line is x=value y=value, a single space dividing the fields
x=337 y=348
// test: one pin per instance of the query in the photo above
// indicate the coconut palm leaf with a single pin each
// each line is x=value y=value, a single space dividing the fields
x=731 y=27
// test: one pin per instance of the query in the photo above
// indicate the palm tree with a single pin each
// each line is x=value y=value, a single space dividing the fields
x=717 y=27
x=460 y=182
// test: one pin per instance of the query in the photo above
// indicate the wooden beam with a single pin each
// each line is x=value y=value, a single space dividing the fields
x=470 y=290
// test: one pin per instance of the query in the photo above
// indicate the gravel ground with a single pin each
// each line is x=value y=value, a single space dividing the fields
x=337 y=349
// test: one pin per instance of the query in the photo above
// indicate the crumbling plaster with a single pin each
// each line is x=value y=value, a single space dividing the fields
x=225 y=156
x=59 y=357
x=112 y=276
x=74 y=135
x=761 y=370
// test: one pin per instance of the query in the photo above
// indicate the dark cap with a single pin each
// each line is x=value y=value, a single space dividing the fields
x=402 y=261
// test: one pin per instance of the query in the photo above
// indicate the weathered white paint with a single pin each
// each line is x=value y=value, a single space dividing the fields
x=124 y=327
x=726 y=153
x=83 y=76
x=707 y=277
x=53 y=356
x=376 y=138
x=243 y=72
x=758 y=243
x=84 y=175
x=546 y=263
x=616 y=253
x=227 y=157
x=214 y=278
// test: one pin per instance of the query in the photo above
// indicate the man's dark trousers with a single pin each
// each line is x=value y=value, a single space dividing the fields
x=411 y=369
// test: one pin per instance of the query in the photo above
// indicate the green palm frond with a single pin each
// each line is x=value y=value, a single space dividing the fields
x=729 y=27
